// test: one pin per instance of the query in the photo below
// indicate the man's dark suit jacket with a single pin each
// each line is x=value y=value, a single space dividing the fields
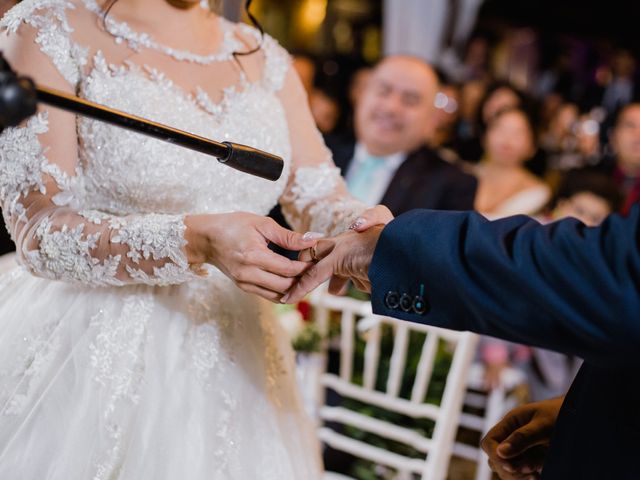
x=423 y=180
x=561 y=286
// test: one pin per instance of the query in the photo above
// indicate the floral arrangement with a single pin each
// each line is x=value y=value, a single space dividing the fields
x=297 y=322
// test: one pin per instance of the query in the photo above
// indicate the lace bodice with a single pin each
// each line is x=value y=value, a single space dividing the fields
x=93 y=203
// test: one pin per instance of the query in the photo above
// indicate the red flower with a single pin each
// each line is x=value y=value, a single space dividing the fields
x=305 y=310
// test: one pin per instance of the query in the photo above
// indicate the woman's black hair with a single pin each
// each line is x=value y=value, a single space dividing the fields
x=588 y=181
x=255 y=24
x=481 y=124
x=522 y=111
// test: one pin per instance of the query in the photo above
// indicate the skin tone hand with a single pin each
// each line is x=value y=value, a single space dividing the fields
x=517 y=445
x=342 y=258
x=237 y=243
x=345 y=257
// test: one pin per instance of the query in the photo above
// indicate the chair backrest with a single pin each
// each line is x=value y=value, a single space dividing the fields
x=484 y=409
x=357 y=320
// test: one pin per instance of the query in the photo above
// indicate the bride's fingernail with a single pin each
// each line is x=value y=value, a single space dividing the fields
x=284 y=299
x=357 y=224
x=312 y=236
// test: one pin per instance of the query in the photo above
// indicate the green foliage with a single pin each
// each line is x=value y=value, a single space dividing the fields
x=308 y=340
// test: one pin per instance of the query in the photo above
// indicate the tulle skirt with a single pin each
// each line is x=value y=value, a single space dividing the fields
x=186 y=382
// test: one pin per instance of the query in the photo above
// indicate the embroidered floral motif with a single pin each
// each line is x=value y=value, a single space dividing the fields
x=117 y=356
x=69 y=251
x=36 y=352
x=313 y=196
x=22 y=162
x=66 y=254
x=53 y=33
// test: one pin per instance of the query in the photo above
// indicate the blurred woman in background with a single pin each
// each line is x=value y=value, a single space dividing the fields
x=505 y=186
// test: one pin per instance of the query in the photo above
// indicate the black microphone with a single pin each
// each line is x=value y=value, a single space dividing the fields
x=19 y=97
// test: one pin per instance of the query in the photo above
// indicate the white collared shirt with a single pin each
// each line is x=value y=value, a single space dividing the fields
x=383 y=177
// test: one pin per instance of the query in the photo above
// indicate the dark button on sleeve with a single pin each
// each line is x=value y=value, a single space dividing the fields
x=406 y=302
x=392 y=300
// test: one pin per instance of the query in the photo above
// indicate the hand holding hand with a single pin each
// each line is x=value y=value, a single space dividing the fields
x=237 y=243
x=345 y=257
x=517 y=445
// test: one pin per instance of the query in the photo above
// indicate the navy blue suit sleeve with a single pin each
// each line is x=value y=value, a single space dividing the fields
x=561 y=286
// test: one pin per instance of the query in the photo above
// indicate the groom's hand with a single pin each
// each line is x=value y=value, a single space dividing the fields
x=345 y=257
x=517 y=445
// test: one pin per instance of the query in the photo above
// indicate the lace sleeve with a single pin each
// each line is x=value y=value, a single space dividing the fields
x=41 y=198
x=316 y=197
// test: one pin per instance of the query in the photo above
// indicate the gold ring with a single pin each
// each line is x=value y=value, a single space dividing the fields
x=314 y=254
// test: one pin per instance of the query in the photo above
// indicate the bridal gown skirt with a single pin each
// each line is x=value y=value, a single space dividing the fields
x=132 y=383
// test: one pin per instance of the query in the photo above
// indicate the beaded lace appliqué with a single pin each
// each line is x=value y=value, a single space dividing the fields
x=136 y=41
x=53 y=33
x=68 y=251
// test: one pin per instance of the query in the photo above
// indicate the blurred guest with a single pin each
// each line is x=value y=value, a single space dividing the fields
x=572 y=140
x=389 y=162
x=476 y=61
x=305 y=67
x=621 y=88
x=325 y=111
x=471 y=95
x=625 y=141
x=358 y=84
x=559 y=136
x=588 y=196
x=498 y=96
x=505 y=186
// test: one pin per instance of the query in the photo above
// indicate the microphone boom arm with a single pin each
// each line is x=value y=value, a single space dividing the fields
x=19 y=97
x=240 y=157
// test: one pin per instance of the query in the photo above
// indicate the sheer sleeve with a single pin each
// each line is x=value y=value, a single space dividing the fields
x=316 y=197
x=41 y=189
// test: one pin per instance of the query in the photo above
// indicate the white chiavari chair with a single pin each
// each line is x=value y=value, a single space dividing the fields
x=435 y=452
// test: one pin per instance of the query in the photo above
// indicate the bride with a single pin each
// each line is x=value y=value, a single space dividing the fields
x=133 y=344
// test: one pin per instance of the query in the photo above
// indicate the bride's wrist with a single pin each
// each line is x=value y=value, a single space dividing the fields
x=198 y=245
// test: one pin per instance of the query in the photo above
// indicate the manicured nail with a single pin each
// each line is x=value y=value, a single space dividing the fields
x=307 y=237
x=357 y=224
x=508 y=468
x=284 y=299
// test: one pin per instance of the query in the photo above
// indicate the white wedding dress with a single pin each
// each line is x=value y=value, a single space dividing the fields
x=118 y=359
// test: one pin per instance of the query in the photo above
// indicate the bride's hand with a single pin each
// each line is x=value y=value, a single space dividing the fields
x=378 y=215
x=237 y=243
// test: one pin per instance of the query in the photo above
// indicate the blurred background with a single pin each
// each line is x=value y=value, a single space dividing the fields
x=525 y=107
